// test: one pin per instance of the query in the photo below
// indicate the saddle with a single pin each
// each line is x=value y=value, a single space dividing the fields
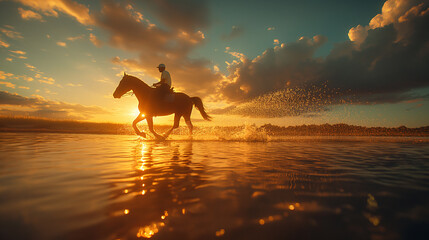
x=165 y=93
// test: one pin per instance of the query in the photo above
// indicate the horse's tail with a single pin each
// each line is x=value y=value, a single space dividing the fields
x=199 y=104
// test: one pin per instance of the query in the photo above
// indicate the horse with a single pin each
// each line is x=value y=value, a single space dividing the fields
x=151 y=106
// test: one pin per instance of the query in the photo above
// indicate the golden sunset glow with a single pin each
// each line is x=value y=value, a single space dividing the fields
x=207 y=119
x=240 y=71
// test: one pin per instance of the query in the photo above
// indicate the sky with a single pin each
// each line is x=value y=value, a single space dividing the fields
x=252 y=62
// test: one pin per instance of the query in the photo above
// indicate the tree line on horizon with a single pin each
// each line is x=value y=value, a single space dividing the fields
x=344 y=129
x=14 y=124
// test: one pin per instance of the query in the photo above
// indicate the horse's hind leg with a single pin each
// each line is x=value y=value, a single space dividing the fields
x=187 y=118
x=176 y=124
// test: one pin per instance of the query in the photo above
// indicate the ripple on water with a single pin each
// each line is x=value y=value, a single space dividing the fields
x=107 y=187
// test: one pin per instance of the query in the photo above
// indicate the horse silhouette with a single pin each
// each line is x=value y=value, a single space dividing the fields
x=150 y=105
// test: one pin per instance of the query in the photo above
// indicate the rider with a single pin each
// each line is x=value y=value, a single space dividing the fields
x=164 y=84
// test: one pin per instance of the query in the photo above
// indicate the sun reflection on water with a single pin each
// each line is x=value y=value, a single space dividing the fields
x=150 y=230
x=220 y=232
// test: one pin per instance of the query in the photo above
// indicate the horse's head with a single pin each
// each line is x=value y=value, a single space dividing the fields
x=123 y=87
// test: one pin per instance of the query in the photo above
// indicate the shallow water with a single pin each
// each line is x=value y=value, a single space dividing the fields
x=71 y=186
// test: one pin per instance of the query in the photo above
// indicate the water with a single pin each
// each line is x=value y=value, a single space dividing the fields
x=71 y=186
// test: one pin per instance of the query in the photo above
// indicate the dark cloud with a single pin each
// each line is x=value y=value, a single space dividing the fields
x=183 y=15
x=284 y=66
x=382 y=64
x=41 y=107
x=130 y=33
x=236 y=31
x=7 y=98
x=390 y=60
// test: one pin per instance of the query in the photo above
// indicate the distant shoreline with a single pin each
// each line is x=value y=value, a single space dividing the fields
x=36 y=125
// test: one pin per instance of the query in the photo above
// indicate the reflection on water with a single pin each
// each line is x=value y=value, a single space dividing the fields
x=65 y=186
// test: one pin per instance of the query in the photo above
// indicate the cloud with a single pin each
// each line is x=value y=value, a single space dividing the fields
x=8 y=84
x=358 y=34
x=186 y=15
x=4 y=75
x=74 y=85
x=236 y=31
x=74 y=38
x=279 y=67
x=130 y=34
x=11 y=33
x=38 y=75
x=28 y=14
x=52 y=7
x=391 y=60
x=383 y=63
x=47 y=80
x=95 y=40
x=4 y=44
x=31 y=67
x=28 y=79
x=155 y=45
x=18 y=52
x=62 y=44
x=237 y=55
x=392 y=12
x=41 y=107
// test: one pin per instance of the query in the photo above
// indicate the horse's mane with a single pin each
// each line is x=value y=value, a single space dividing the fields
x=135 y=79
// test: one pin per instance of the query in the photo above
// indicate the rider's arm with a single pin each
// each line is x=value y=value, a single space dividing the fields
x=162 y=80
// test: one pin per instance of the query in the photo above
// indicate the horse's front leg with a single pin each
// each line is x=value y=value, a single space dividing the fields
x=139 y=118
x=150 y=125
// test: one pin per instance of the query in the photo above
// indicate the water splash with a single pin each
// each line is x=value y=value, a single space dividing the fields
x=248 y=133
x=243 y=133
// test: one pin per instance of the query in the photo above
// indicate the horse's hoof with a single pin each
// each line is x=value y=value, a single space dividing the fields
x=142 y=134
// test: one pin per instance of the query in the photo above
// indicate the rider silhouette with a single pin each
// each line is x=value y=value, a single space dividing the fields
x=164 y=85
